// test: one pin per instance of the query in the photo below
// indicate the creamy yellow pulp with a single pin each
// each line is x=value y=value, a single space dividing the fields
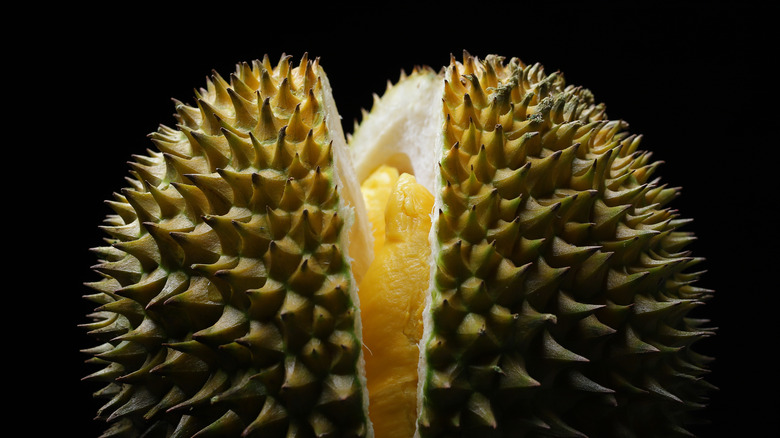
x=392 y=297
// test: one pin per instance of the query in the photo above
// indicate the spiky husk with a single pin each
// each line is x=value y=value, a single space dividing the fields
x=227 y=304
x=561 y=292
x=561 y=289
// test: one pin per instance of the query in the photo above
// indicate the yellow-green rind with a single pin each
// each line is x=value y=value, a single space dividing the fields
x=561 y=289
x=227 y=304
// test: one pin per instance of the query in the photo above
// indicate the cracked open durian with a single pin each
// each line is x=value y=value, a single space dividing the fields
x=485 y=255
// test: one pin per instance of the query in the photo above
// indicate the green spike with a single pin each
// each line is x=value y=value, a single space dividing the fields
x=554 y=351
x=216 y=383
x=127 y=271
x=265 y=342
x=126 y=353
x=216 y=190
x=582 y=383
x=144 y=249
x=272 y=419
x=249 y=273
x=229 y=424
x=231 y=325
x=591 y=327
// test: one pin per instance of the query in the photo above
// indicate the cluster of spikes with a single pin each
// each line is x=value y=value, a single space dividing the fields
x=224 y=308
x=562 y=288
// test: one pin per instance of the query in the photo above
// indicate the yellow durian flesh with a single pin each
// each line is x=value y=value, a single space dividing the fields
x=392 y=298
x=376 y=190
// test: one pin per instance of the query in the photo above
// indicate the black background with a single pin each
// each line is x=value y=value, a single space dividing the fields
x=89 y=85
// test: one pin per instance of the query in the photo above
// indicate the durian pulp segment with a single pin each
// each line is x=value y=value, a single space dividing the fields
x=376 y=190
x=392 y=297
x=401 y=134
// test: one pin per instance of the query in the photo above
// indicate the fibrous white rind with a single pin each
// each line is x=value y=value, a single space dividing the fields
x=360 y=238
x=401 y=129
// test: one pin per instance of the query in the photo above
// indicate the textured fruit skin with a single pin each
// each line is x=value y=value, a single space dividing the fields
x=226 y=306
x=562 y=291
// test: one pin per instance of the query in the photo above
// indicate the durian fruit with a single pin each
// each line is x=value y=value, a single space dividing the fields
x=530 y=278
